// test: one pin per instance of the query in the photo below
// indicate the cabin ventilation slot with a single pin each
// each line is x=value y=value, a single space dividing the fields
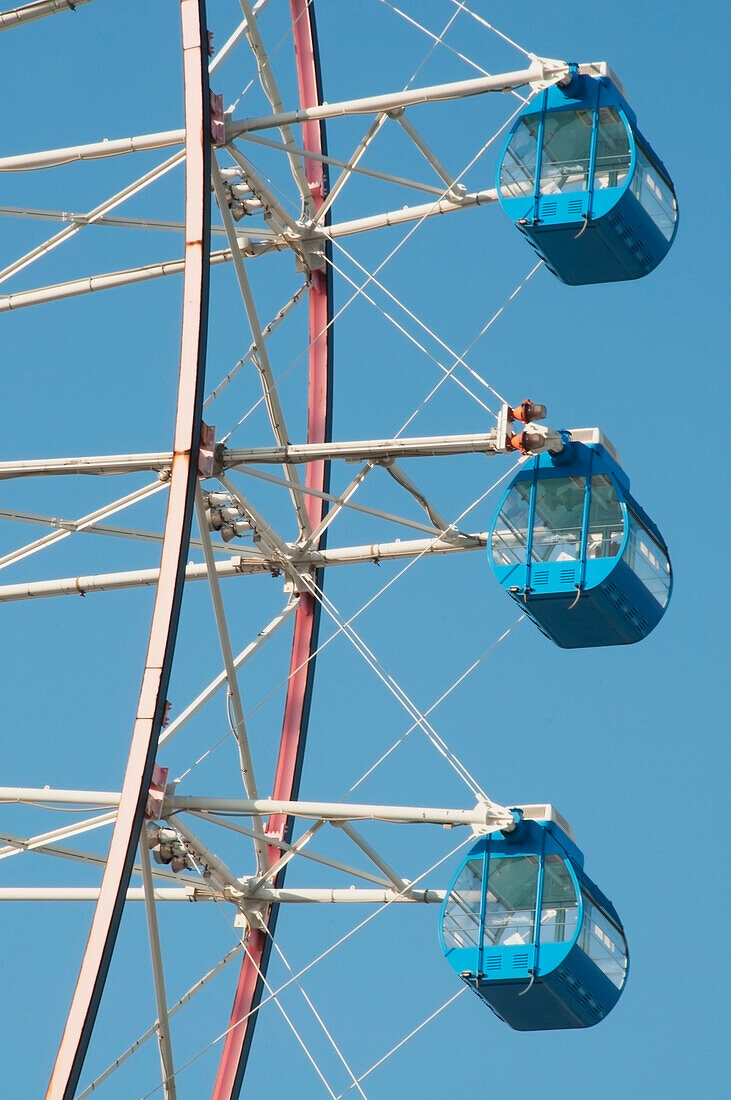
x=493 y=962
x=575 y=206
x=567 y=978
x=548 y=209
x=567 y=575
x=520 y=962
x=540 y=576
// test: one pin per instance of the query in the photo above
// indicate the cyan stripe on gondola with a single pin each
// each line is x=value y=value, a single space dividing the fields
x=584 y=186
x=577 y=552
x=526 y=928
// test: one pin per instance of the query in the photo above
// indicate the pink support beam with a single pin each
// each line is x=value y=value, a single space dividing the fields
x=296 y=710
x=158 y=661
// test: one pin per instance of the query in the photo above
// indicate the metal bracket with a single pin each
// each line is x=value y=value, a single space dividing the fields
x=309 y=252
x=552 y=71
x=156 y=793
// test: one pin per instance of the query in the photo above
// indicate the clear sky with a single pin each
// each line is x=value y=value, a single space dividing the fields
x=630 y=743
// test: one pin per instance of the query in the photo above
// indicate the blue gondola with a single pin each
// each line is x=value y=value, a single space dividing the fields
x=573 y=547
x=583 y=185
x=524 y=926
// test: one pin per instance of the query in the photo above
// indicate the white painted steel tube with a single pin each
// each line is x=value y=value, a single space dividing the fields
x=171 y=893
x=28 y=13
x=391 y=101
x=251 y=563
x=483 y=815
x=364 y=449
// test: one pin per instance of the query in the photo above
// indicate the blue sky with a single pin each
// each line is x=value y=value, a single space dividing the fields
x=629 y=743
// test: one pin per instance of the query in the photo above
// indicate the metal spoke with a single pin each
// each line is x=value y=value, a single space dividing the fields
x=246 y=654
x=269 y=84
x=31 y=213
x=28 y=13
x=163 y=1022
x=79 y=525
x=18 y=845
x=239 y=724
x=93 y=215
x=94 y=529
x=356 y=170
x=291 y=559
x=367 y=140
x=296 y=849
x=261 y=357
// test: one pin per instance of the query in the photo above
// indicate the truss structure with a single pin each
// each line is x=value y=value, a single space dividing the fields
x=215 y=529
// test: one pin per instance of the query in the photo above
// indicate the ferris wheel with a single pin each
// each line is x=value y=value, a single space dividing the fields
x=251 y=350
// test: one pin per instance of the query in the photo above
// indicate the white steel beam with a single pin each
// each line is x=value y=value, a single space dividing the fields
x=112 y=582
x=296 y=849
x=366 y=450
x=202 y=982
x=94 y=859
x=88 y=219
x=18 y=845
x=406 y=483
x=91 y=464
x=362 y=450
x=271 y=91
x=248 y=563
x=214 y=870
x=359 y=151
x=486 y=815
x=425 y=150
x=247 y=357
x=346 y=896
x=261 y=356
x=296 y=237
x=540 y=70
x=132 y=533
x=375 y=857
x=241 y=737
x=356 y=170
x=80 y=524
x=93 y=150
x=31 y=212
x=92 y=283
x=28 y=13
x=165 y=1045
x=410 y=214
x=215 y=685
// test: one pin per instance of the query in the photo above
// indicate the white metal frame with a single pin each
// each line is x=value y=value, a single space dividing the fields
x=298 y=560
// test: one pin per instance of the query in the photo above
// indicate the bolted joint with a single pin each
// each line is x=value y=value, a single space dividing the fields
x=251 y=916
x=309 y=253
